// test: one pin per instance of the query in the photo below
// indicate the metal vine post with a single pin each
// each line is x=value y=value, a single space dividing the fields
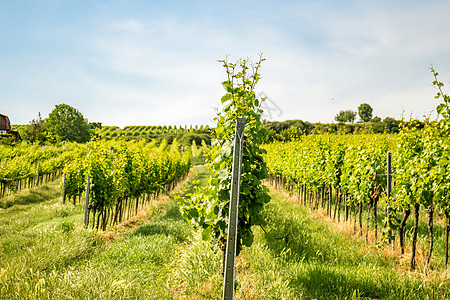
x=230 y=252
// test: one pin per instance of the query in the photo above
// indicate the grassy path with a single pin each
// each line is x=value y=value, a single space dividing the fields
x=46 y=254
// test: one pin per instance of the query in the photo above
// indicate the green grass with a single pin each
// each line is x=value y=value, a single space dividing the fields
x=32 y=196
x=199 y=159
x=37 y=242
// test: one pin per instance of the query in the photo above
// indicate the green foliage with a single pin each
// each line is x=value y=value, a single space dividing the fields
x=443 y=108
x=441 y=147
x=280 y=131
x=189 y=138
x=350 y=163
x=365 y=112
x=95 y=125
x=44 y=256
x=8 y=139
x=67 y=124
x=122 y=170
x=25 y=162
x=345 y=116
x=157 y=133
x=36 y=131
x=101 y=169
x=278 y=127
x=391 y=125
x=410 y=165
x=208 y=208
x=292 y=133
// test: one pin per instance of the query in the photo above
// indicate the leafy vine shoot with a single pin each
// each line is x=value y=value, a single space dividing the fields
x=208 y=207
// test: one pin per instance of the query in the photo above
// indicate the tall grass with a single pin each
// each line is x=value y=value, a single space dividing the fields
x=31 y=196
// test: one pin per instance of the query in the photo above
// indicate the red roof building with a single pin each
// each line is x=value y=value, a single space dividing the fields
x=4 y=123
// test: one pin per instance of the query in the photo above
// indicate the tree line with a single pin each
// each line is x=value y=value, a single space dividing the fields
x=67 y=124
x=291 y=129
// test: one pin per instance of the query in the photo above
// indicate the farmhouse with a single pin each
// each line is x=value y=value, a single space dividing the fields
x=5 y=127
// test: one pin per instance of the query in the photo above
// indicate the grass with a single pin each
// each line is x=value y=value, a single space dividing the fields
x=46 y=254
x=31 y=196
x=39 y=237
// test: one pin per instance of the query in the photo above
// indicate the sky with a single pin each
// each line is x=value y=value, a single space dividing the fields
x=156 y=62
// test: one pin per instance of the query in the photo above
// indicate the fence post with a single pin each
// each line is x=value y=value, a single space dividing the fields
x=64 y=189
x=230 y=252
x=37 y=178
x=389 y=191
x=86 y=205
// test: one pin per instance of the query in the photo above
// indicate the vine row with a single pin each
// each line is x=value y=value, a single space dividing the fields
x=124 y=176
x=26 y=166
x=347 y=174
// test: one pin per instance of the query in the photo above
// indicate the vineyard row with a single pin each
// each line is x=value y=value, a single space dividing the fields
x=350 y=172
x=123 y=176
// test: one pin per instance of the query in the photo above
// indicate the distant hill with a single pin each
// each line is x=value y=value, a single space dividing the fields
x=276 y=130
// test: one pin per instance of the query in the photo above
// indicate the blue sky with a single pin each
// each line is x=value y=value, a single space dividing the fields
x=155 y=62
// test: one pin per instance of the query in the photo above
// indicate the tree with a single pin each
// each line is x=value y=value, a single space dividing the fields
x=376 y=119
x=346 y=116
x=36 y=131
x=365 y=112
x=391 y=125
x=67 y=124
x=377 y=125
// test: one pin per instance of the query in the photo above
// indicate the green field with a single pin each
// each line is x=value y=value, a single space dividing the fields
x=46 y=254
